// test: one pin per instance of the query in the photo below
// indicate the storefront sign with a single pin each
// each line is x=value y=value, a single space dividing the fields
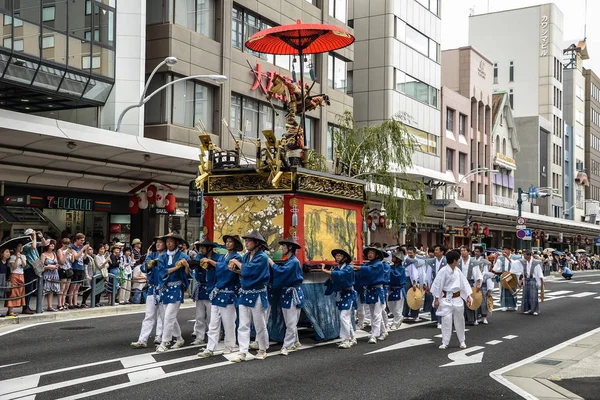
x=115 y=228
x=259 y=80
x=481 y=69
x=505 y=158
x=77 y=204
x=544 y=35
x=160 y=211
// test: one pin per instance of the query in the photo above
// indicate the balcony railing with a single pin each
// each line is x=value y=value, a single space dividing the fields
x=505 y=202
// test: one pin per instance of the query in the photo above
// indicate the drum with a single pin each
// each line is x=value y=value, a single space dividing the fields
x=414 y=298
x=509 y=281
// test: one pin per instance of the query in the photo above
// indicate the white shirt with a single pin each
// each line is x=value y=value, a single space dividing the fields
x=475 y=275
x=20 y=264
x=135 y=284
x=451 y=281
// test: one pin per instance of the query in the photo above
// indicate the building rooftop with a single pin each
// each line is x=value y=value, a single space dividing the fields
x=497 y=101
x=513 y=9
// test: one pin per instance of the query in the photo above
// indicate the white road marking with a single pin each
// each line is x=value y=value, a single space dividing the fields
x=135 y=361
x=403 y=345
x=11 y=365
x=594 y=283
x=560 y=292
x=509 y=337
x=580 y=281
x=462 y=357
x=494 y=342
x=146 y=375
x=597 y=297
x=19 y=384
x=497 y=374
x=583 y=294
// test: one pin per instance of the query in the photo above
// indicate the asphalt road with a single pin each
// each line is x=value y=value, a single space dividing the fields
x=92 y=358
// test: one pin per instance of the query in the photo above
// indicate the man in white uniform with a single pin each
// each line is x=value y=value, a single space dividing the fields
x=450 y=288
x=469 y=268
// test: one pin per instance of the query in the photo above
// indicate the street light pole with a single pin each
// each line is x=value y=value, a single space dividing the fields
x=519 y=210
x=144 y=100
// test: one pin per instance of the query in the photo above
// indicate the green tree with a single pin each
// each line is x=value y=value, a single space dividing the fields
x=380 y=155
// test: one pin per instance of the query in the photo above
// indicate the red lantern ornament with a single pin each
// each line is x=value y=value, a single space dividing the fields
x=142 y=200
x=486 y=231
x=466 y=231
x=476 y=228
x=543 y=235
x=133 y=205
x=381 y=220
x=151 y=193
x=170 y=203
x=369 y=220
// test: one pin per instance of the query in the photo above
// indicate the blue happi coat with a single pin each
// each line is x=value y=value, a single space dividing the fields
x=341 y=283
x=205 y=278
x=172 y=286
x=397 y=282
x=227 y=283
x=372 y=277
x=152 y=276
x=289 y=278
x=254 y=279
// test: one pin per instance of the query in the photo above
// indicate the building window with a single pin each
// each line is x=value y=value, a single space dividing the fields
x=417 y=40
x=88 y=7
x=595 y=92
x=287 y=62
x=462 y=163
x=337 y=74
x=87 y=35
x=595 y=117
x=330 y=139
x=511 y=99
x=495 y=72
x=511 y=72
x=462 y=124
x=48 y=13
x=579 y=92
x=579 y=117
x=48 y=42
x=244 y=24
x=339 y=9
x=424 y=142
x=416 y=89
x=196 y=15
x=192 y=103
x=88 y=62
x=449 y=160
x=449 y=120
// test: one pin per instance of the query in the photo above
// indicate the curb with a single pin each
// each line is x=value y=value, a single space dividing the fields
x=50 y=317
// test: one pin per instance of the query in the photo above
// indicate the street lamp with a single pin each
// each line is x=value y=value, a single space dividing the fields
x=565 y=212
x=475 y=172
x=143 y=100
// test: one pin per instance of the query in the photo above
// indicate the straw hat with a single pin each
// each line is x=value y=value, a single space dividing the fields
x=291 y=242
x=378 y=253
x=476 y=301
x=335 y=252
x=414 y=298
x=239 y=246
x=255 y=235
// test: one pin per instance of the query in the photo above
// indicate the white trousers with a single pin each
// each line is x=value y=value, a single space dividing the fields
x=226 y=316
x=346 y=330
x=375 y=319
x=363 y=313
x=125 y=292
x=457 y=316
x=170 y=325
x=291 y=316
x=203 y=308
x=257 y=315
x=396 y=309
x=154 y=316
x=384 y=318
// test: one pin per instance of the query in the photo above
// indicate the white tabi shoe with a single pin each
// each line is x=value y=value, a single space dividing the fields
x=443 y=347
x=239 y=358
x=503 y=309
x=178 y=343
x=353 y=342
x=381 y=338
x=346 y=344
x=206 y=353
x=157 y=339
x=372 y=340
x=475 y=323
x=139 y=345
x=163 y=347
x=463 y=345
x=394 y=327
x=297 y=345
x=198 y=342
x=485 y=321
x=261 y=355
x=536 y=314
x=439 y=326
x=284 y=351
x=253 y=345
x=527 y=312
x=229 y=350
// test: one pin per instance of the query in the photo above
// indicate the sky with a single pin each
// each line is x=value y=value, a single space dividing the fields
x=455 y=21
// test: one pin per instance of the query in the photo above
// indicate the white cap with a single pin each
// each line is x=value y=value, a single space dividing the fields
x=29 y=231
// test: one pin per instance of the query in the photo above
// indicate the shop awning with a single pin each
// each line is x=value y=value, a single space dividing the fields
x=38 y=150
x=417 y=172
x=499 y=218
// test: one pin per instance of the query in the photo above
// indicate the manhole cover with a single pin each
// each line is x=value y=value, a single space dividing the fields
x=548 y=362
x=76 y=328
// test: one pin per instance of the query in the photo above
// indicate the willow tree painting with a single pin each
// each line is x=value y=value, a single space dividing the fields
x=240 y=215
x=328 y=228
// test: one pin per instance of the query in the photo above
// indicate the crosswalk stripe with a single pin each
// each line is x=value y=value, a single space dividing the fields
x=580 y=281
x=594 y=283
x=582 y=294
x=597 y=297
x=561 y=292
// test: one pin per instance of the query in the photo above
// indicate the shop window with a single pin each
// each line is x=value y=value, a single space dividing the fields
x=197 y=15
x=339 y=9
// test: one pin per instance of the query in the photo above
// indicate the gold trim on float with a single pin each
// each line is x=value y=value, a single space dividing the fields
x=249 y=183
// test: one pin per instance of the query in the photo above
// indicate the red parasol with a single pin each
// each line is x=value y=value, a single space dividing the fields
x=300 y=39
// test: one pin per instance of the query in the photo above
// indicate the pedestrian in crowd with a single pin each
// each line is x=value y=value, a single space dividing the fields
x=90 y=271
x=136 y=250
x=138 y=281
x=31 y=254
x=79 y=252
x=340 y=283
x=450 y=288
x=567 y=273
x=16 y=295
x=102 y=261
x=125 y=275
x=113 y=269
x=65 y=272
x=50 y=274
x=4 y=271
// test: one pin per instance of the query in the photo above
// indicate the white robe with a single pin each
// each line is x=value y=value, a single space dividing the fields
x=451 y=281
x=537 y=272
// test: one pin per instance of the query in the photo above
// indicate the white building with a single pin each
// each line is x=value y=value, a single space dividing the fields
x=526 y=46
x=505 y=146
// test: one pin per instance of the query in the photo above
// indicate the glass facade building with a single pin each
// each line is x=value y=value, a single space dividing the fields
x=56 y=54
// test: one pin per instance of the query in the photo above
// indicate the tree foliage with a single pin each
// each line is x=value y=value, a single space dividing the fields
x=380 y=155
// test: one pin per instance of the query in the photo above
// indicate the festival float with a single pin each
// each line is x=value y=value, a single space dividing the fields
x=276 y=195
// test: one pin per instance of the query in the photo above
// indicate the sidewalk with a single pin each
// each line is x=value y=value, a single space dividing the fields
x=567 y=371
